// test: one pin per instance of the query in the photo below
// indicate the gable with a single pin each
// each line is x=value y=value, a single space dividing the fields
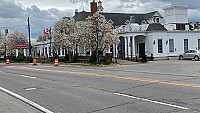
x=157 y=14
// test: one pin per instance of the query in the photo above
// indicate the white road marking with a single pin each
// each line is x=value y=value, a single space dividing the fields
x=27 y=76
x=29 y=89
x=26 y=100
x=171 y=105
x=10 y=66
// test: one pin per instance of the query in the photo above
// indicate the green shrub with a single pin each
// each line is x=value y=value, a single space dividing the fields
x=106 y=62
x=104 y=59
x=66 y=57
x=75 y=58
x=20 y=58
x=69 y=61
x=93 y=58
x=55 y=56
x=12 y=57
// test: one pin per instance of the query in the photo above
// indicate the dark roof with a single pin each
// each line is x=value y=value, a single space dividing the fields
x=81 y=16
x=156 y=26
x=149 y=15
x=117 y=18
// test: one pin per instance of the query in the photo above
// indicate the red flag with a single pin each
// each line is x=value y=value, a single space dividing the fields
x=46 y=31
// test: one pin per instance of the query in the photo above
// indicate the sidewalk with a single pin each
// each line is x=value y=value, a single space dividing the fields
x=9 y=104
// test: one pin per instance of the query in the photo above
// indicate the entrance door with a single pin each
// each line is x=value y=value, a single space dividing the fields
x=141 y=49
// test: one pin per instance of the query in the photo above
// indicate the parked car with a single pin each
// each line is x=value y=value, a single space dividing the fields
x=190 y=54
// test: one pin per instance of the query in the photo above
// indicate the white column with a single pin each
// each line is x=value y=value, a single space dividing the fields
x=133 y=45
x=17 y=53
x=114 y=52
x=129 y=47
x=44 y=51
x=125 y=39
x=47 y=51
x=41 y=51
x=84 y=51
x=109 y=49
x=61 y=52
x=78 y=50
x=24 y=52
x=90 y=52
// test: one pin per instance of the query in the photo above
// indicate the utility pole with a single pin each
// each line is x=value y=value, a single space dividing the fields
x=5 y=51
x=29 y=33
x=97 y=47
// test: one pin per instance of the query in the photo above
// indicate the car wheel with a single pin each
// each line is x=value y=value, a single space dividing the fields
x=181 y=57
x=196 y=58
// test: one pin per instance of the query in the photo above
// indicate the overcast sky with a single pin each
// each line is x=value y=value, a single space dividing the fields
x=44 y=13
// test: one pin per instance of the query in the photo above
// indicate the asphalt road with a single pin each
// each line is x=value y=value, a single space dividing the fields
x=153 y=87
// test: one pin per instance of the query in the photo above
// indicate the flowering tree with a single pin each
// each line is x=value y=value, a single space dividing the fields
x=68 y=33
x=64 y=34
x=99 y=26
x=10 y=40
x=1 y=43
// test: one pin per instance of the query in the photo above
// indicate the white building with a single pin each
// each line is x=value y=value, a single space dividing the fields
x=152 y=38
x=143 y=34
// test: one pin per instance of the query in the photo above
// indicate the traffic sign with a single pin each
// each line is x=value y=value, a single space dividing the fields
x=20 y=45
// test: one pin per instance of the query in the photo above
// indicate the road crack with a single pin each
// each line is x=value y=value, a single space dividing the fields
x=136 y=87
x=112 y=107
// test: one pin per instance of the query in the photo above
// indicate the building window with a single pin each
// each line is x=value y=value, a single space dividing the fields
x=157 y=20
x=171 y=45
x=63 y=51
x=180 y=26
x=46 y=51
x=160 y=49
x=49 y=51
x=59 y=51
x=198 y=44
x=185 y=45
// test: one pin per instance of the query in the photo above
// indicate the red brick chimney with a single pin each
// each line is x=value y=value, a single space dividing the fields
x=93 y=7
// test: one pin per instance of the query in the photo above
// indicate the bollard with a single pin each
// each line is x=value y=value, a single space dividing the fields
x=56 y=62
x=7 y=61
x=34 y=61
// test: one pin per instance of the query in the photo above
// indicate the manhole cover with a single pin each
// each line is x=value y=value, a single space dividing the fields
x=29 y=89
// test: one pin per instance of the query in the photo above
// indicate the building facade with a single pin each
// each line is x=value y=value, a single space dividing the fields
x=144 y=34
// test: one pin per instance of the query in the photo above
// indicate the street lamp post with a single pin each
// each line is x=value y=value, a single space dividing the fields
x=5 y=51
x=97 y=47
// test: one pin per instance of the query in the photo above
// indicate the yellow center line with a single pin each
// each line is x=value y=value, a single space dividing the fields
x=129 y=78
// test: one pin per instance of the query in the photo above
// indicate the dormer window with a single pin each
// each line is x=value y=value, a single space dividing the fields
x=157 y=20
x=127 y=22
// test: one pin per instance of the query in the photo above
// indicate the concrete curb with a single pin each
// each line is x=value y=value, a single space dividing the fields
x=42 y=109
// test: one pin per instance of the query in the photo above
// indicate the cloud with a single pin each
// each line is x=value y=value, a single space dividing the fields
x=43 y=14
x=14 y=17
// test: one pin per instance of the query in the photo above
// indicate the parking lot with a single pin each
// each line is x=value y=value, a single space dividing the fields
x=178 y=67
